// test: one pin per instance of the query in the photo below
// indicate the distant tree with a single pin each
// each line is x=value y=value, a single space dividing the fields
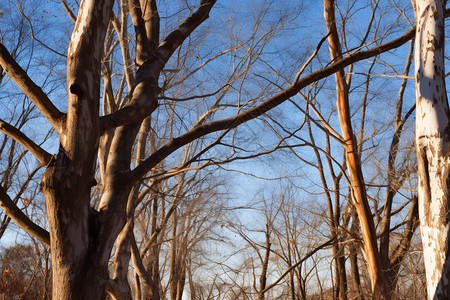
x=24 y=273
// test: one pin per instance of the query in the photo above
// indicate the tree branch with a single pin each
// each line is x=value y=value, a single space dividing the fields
x=11 y=209
x=146 y=27
x=138 y=265
x=42 y=156
x=31 y=90
x=308 y=255
x=411 y=226
x=144 y=97
x=69 y=11
x=176 y=37
x=20 y=9
x=267 y=105
x=113 y=288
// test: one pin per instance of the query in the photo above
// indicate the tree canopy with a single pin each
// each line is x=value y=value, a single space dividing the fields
x=212 y=149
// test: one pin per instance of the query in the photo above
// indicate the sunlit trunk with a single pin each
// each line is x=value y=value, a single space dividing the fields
x=80 y=246
x=353 y=163
x=432 y=142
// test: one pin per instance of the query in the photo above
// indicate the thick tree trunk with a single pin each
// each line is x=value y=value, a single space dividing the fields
x=80 y=246
x=432 y=142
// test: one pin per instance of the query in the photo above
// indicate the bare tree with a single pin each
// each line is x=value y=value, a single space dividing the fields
x=353 y=162
x=24 y=272
x=83 y=228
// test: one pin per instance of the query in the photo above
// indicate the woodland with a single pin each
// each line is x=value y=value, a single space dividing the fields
x=204 y=149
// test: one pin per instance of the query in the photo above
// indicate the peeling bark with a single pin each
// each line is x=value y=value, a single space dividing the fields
x=432 y=142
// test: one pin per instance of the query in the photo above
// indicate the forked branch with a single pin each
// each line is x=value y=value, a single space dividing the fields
x=142 y=103
x=69 y=11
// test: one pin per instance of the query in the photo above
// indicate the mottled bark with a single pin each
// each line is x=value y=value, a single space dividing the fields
x=432 y=142
x=79 y=255
x=82 y=238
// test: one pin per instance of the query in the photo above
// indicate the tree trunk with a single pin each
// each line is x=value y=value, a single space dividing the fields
x=340 y=284
x=265 y=265
x=80 y=248
x=353 y=256
x=432 y=142
x=358 y=189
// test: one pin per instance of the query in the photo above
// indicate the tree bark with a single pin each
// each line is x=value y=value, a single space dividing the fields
x=358 y=189
x=81 y=237
x=79 y=255
x=432 y=143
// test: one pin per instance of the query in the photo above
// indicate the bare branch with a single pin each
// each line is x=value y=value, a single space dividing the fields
x=139 y=267
x=14 y=212
x=176 y=37
x=195 y=97
x=267 y=105
x=144 y=98
x=384 y=75
x=146 y=25
x=31 y=90
x=42 y=156
x=299 y=73
x=132 y=113
x=20 y=9
x=69 y=11
x=120 y=28
x=308 y=255
x=411 y=225
x=325 y=126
